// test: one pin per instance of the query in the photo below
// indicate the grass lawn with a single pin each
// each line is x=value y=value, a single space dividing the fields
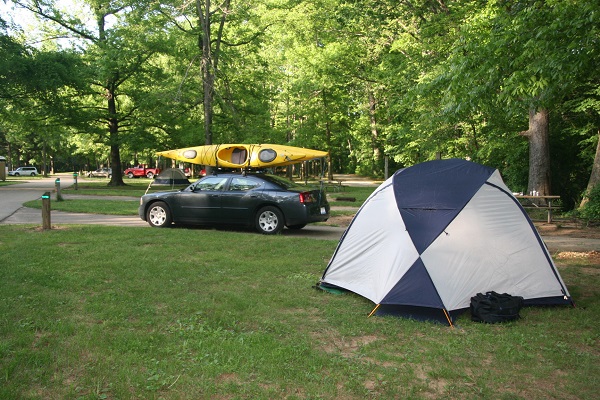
x=13 y=180
x=96 y=312
x=8 y=183
x=91 y=206
x=115 y=206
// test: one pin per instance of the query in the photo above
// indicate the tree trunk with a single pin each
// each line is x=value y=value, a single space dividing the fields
x=539 y=152
x=594 y=176
x=208 y=78
x=44 y=160
x=374 y=132
x=115 y=153
x=327 y=134
x=210 y=61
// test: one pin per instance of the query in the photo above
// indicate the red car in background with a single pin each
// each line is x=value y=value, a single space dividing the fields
x=141 y=170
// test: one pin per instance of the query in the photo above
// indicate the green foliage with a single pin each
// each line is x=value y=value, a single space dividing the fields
x=591 y=209
x=402 y=81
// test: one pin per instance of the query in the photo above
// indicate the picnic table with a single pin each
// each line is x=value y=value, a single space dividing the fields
x=530 y=202
x=335 y=185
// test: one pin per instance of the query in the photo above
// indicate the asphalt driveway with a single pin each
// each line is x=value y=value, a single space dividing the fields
x=12 y=211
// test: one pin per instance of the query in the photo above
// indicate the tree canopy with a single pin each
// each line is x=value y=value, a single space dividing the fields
x=509 y=83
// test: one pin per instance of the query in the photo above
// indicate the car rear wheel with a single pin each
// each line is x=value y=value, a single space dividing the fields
x=158 y=215
x=269 y=220
x=149 y=175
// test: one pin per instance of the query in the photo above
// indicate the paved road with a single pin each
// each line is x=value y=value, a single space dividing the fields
x=12 y=197
x=12 y=212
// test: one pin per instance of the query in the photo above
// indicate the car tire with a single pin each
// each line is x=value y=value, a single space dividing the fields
x=158 y=215
x=17 y=174
x=130 y=175
x=149 y=175
x=33 y=174
x=269 y=220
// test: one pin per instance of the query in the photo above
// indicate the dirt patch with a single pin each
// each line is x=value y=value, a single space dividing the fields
x=347 y=347
x=592 y=256
x=340 y=220
x=53 y=227
x=569 y=229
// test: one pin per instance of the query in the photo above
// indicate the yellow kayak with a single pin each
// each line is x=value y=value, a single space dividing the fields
x=243 y=155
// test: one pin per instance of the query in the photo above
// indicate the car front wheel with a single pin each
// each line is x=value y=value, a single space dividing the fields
x=269 y=220
x=158 y=215
x=130 y=175
x=17 y=174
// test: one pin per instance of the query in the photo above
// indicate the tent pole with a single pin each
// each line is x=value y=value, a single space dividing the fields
x=448 y=318
x=375 y=309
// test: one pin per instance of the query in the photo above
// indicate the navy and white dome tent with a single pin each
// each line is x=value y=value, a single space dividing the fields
x=435 y=234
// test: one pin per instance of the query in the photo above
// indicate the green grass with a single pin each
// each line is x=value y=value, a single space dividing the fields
x=13 y=180
x=360 y=194
x=91 y=206
x=8 y=183
x=99 y=187
x=92 y=312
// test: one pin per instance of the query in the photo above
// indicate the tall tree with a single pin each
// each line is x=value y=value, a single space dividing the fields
x=217 y=30
x=37 y=89
x=522 y=57
x=117 y=45
x=210 y=57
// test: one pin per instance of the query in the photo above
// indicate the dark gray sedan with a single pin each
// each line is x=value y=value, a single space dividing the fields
x=267 y=202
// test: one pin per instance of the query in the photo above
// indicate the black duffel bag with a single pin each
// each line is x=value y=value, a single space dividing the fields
x=493 y=307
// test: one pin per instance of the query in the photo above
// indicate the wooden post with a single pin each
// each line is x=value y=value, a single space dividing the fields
x=46 y=223
x=57 y=187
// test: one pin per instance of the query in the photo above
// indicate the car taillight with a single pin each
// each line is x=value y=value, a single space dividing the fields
x=307 y=197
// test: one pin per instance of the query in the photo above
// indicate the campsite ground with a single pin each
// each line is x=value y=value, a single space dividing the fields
x=572 y=229
x=175 y=316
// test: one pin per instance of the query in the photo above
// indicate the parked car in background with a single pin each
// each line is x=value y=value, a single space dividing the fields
x=267 y=202
x=100 y=173
x=141 y=170
x=25 y=171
